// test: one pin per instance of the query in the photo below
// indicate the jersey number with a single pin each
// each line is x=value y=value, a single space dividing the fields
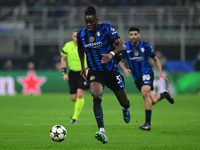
x=119 y=79
x=146 y=77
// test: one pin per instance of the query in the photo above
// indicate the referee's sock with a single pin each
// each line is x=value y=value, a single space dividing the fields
x=78 y=107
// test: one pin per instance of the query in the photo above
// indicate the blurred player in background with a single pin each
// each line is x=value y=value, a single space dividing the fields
x=137 y=54
x=77 y=85
x=97 y=41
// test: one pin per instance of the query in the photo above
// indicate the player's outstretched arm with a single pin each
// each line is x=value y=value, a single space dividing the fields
x=123 y=67
x=158 y=66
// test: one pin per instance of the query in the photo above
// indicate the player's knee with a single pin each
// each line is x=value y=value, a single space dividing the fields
x=96 y=94
x=144 y=94
x=81 y=95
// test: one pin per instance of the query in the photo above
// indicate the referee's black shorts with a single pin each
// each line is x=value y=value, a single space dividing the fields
x=76 y=81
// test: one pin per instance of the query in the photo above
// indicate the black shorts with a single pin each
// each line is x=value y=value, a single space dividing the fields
x=112 y=79
x=76 y=81
x=146 y=79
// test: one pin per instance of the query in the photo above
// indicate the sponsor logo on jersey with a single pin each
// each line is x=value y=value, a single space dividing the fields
x=137 y=58
x=94 y=45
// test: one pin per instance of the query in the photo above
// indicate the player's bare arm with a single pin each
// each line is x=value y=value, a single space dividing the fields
x=120 y=48
x=158 y=66
x=81 y=56
x=123 y=67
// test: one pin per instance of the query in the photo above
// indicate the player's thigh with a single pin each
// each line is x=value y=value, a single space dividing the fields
x=146 y=90
x=96 y=89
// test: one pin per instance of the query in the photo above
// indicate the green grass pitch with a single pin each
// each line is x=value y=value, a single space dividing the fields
x=25 y=123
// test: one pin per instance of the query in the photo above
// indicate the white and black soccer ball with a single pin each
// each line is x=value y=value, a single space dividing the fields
x=58 y=133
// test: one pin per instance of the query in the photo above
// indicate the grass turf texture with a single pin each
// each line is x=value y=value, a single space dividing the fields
x=25 y=123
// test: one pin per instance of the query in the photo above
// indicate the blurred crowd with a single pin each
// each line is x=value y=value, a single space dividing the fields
x=60 y=8
x=42 y=61
x=47 y=3
x=22 y=9
x=46 y=59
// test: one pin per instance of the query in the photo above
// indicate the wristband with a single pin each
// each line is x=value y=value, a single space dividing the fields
x=64 y=70
x=112 y=53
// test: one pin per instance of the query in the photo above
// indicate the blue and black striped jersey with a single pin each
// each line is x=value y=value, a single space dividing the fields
x=97 y=43
x=138 y=58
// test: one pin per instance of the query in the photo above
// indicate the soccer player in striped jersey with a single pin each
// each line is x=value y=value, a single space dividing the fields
x=137 y=54
x=77 y=84
x=100 y=42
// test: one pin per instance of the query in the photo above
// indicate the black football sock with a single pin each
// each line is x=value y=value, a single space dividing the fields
x=148 y=116
x=98 y=112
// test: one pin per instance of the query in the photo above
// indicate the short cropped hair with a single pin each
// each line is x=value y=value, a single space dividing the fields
x=90 y=10
x=134 y=29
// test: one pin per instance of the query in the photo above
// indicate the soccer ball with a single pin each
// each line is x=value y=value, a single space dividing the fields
x=58 y=133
